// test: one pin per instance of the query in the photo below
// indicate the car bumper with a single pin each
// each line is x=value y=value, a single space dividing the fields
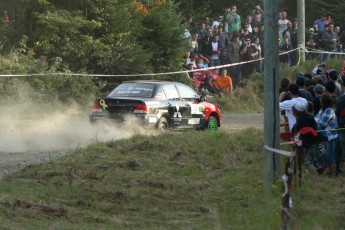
x=142 y=119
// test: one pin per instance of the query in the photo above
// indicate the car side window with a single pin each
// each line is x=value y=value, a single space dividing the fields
x=171 y=92
x=160 y=95
x=187 y=93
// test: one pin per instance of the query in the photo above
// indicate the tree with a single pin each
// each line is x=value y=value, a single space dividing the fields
x=104 y=36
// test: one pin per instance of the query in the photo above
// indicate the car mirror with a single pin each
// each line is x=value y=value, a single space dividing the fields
x=203 y=98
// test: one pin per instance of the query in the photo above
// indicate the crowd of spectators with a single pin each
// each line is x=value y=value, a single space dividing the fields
x=228 y=39
x=314 y=107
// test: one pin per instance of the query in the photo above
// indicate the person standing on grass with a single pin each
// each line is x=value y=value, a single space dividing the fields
x=327 y=123
x=232 y=21
x=234 y=57
x=223 y=83
x=314 y=144
x=287 y=105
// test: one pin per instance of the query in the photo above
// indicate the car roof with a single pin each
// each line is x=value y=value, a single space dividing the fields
x=150 y=81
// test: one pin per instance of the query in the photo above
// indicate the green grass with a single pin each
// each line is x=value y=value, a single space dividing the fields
x=189 y=180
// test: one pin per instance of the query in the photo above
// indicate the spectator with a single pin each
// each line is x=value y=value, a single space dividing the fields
x=202 y=62
x=258 y=11
x=224 y=83
x=300 y=82
x=338 y=43
x=256 y=44
x=248 y=24
x=256 y=21
x=232 y=21
x=255 y=33
x=311 y=44
x=234 y=57
x=215 y=50
x=313 y=143
x=247 y=53
x=329 y=41
x=317 y=34
x=186 y=33
x=288 y=32
x=288 y=104
x=284 y=93
x=207 y=23
x=318 y=91
x=217 y=22
x=321 y=22
x=224 y=42
x=284 y=50
x=326 y=121
x=208 y=86
x=293 y=40
x=206 y=41
x=282 y=23
x=332 y=75
x=191 y=61
x=193 y=45
x=261 y=36
x=191 y=25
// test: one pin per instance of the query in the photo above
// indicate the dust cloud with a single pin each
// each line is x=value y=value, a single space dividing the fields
x=29 y=127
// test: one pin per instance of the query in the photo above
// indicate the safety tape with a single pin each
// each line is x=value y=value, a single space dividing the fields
x=311 y=50
x=281 y=152
x=143 y=74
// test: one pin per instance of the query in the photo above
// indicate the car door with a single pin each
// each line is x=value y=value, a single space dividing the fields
x=191 y=110
x=175 y=105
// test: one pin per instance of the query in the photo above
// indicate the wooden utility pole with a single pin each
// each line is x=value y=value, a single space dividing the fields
x=301 y=27
x=271 y=87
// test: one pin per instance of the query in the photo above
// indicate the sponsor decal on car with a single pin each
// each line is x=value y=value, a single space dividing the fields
x=102 y=103
x=197 y=109
x=153 y=120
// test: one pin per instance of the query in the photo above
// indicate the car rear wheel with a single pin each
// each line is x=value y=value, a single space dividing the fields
x=212 y=123
x=162 y=125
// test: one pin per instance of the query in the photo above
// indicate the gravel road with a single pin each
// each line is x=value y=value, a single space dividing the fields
x=29 y=141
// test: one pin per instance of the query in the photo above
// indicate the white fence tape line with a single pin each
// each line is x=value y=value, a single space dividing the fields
x=303 y=49
x=279 y=151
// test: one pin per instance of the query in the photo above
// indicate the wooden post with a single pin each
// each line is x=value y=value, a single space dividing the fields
x=301 y=27
x=271 y=87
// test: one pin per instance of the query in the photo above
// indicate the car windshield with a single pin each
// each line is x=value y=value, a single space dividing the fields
x=133 y=90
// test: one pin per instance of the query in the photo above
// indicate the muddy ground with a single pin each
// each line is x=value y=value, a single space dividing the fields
x=28 y=140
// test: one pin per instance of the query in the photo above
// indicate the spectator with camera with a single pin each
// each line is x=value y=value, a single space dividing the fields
x=232 y=21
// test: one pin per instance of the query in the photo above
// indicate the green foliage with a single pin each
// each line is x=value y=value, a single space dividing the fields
x=46 y=88
x=104 y=36
x=162 y=26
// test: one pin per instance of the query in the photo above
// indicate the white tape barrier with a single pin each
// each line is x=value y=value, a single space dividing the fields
x=281 y=152
x=157 y=74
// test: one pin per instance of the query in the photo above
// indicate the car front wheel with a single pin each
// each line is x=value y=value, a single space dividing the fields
x=212 y=123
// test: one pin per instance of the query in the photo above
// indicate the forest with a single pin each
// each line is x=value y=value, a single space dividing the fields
x=111 y=36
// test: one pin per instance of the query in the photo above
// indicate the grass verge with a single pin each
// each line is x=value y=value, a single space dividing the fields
x=190 y=180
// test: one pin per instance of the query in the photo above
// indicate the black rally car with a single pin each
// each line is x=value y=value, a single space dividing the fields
x=160 y=104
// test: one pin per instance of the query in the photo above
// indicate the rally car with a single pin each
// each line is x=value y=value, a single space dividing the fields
x=160 y=104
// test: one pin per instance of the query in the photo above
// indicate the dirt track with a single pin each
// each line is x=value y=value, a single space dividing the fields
x=25 y=145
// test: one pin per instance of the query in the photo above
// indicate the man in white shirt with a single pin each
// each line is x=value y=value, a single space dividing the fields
x=282 y=23
x=287 y=105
